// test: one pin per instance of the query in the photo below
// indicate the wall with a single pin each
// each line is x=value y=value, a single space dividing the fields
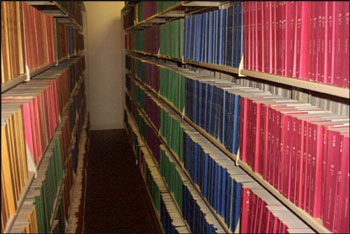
x=104 y=58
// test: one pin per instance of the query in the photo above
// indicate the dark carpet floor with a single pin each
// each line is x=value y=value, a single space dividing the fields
x=116 y=200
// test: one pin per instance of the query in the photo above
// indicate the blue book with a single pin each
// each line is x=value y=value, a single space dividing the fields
x=206 y=28
x=224 y=40
x=218 y=199
x=220 y=31
x=227 y=198
x=236 y=127
x=229 y=36
x=195 y=102
x=216 y=36
x=224 y=192
x=210 y=37
x=238 y=204
x=237 y=36
x=210 y=98
x=199 y=37
x=186 y=33
x=234 y=31
x=205 y=86
x=241 y=29
x=233 y=203
x=206 y=170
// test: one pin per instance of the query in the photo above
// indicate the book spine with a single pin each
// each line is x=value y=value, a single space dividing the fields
x=305 y=40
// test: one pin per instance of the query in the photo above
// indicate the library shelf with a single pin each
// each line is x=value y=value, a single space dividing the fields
x=293 y=82
x=41 y=69
x=314 y=223
x=128 y=6
x=20 y=202
x=54 y=9
x=141 y=141
x=179 y=10
x=48 y=7
x=12 y=83
x=55 y=204
x=175 y=157
x=304 y=84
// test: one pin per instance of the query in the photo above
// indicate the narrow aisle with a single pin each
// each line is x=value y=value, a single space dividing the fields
x=116 y=200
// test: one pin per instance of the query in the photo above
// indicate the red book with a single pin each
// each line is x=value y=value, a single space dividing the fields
x=248 y=138
x=245 y=210
x=312 y=48
x=305 y=40
x=316 y=169
x=264 y=140
x=253 y=36
x=294 y=158
x=286 y=155
x=243 y=129
x=253 y=209
x=258 y=214
x=290 y=37
x=346 y=47
x=277 y=150
x=256 y=108
x=259 y=32
x=270 y=148
x=303 y=164
x=341 y=220
x=279 y=39
x=283 y=39
x=273 y=224
x=321 y=33
x=338 y=43
x=329 y=43
x=274 y=42
x=263 y=227
x=249 y=32
x=245 y=34
x=266 y=36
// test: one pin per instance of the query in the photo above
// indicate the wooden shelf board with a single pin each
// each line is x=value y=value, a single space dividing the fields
x=41 y=69
x=304 y=84
x=314 y=223
x=213 y=66
x=12 y=83
x=20 y=202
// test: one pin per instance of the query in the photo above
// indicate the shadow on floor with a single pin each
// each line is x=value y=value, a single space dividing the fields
x=116 y=200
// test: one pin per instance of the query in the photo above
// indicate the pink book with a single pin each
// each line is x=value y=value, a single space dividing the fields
x=297 y=39
x=286 y=155
x=290 y=37
x=256 y=138
x=265 y=141
x=259 y=32
x=346 y=46
x=338 y=43
x=277 y=151
x=270 y=149
x=272 y=36
x=341 y=221
x=248 y=138
x=243 y=129
x=253 y=209
x=321 y=32
x=279 y=39
x=316 y=169
x=312 y=48
x=273 y=224
x=265 y=39
x=264 y=219
x=28 y=128
x=283 y=39
x=258 y=214
x=245 y=210
x=245 y=35
x=261 y=150
x=329 y=43
x=249 y=32
x=305 y=40
x=253 y=35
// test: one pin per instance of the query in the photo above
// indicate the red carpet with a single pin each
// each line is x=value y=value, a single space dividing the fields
x=116 y=200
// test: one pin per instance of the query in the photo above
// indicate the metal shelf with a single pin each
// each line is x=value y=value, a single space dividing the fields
x=314 y=223
x=304 y=84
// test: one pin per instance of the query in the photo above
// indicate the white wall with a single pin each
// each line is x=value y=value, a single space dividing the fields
x=104 y=59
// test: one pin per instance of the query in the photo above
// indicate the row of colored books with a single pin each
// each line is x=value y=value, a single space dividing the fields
x=128 y=19
x=14 y=166
x=43 y=100
x=215 y=37
x=304 y=40
x=296 y=148
x=75 y=41
x=148 y=9
x=198 y=215
x=278 y=167
x=170 y=217
x=38 y=38
x=150 y=41
x=221 y=183
x=45 y=188
x=56 y=168
x=73 y=9
x=12 y=60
